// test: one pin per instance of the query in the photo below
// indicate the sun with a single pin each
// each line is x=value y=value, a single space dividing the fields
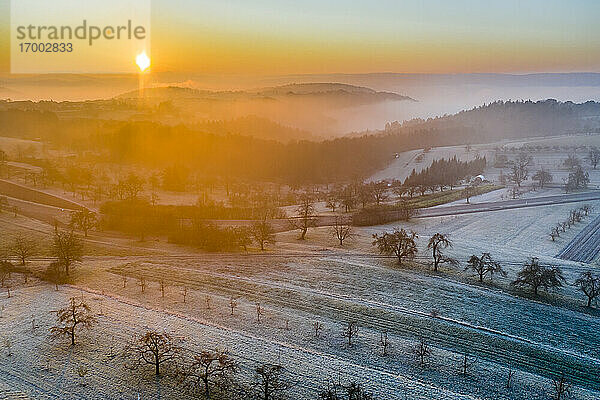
x=142 y=61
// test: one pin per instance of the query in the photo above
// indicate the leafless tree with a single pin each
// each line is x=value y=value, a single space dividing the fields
x=184 y=293
x=67 y=248
x=83 y=220
x=152 y=348
x=380 y=192
x=350 y=331
x=142 y=283
x=207 y=300
x=269 y=382
x=305 y=215
x=589 y=284
x=209 y=369
x=124 y=277
x=520 y=170
x=509 y=377
x=535 y=276
x=399 y=243
x=259 y=312
x=341 y=229
x=437 y=244
x=466 y=363
x=262 y=233
x=543 y=177
x=162 y=288
x=317 y=327
x=384 y=342
x=484 y=265
x=594 y=156
x=562 y=387
x=422 y=351
x=232 y=304
x=23 y=248
x=77 y=315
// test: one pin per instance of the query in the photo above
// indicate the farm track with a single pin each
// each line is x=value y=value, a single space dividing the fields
x=585 y=247
x=452 y=335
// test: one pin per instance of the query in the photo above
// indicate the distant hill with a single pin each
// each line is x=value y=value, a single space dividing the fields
x=316 y=89
x=511 y=120
x=315 y=107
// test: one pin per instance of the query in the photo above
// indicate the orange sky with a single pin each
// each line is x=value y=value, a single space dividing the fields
x=288 y=37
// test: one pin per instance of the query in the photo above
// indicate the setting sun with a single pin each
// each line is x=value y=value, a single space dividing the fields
x=142 y=61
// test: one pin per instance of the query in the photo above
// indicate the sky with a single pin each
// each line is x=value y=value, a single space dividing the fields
x=270 y=37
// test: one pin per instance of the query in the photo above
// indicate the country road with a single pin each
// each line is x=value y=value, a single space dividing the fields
x=508 y=204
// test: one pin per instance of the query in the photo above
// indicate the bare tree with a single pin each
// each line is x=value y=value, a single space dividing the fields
x=338 y=391
x=520 y=171
x=23 y=248
x=142 y=283
x=384 y=342
x=152 y=348
x=77 y=315
x=562 y=388
x=317 y=327
x=184 y=293
x=259 y=312
x=437 y=244
x=209 y=369
x=543 y=177
x=67 y=248
x=535 y=276
x=422 y=351
x=262 y=233
x=306 y=215
x=269 y=382
x=232 y=304
x=509 y=377
x=465 y=364
x=379 y=192
x=341 y=229
x=399 y=243
x=83 y=220
x=589 y=284
x=484 y=265
x=162 y=288
x=594 y=156
x=350 y=332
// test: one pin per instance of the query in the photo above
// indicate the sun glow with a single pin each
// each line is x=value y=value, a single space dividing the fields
x=142 y=61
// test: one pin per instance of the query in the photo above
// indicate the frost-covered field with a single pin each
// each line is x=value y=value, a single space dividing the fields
x=43 y=368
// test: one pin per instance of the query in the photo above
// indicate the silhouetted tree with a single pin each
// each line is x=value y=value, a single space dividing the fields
x=594 y=156
x=269 y=382
x=211 y=369
x=350 y=331
x=422 y=351
x=153 y=348
x=341 y=229
x=537 y=276
x=352 y=391
x=67 y=248
x=83 y=220
x=23 y=248
x=306 y=215
x=589 y=284
x=398 y=243
x=543 y=177
x=262 y=233
x=562 y=388
x=484 y=265
x=77 y=315
x=437 y=244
